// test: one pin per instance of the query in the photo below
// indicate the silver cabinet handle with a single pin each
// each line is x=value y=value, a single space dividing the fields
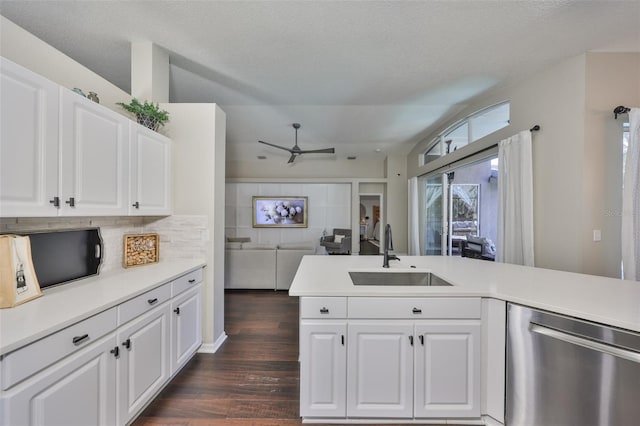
x=585 y=343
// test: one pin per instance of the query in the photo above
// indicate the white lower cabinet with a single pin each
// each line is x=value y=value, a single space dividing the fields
x=80 y=390
x=103 y=371
x=323 y=368
x=427 y=368
x=143 y=367
x=447 y=369
x=186 y=331
x=380 y=369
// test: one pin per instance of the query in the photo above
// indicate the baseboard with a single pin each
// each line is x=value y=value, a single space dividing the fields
x=212 y=348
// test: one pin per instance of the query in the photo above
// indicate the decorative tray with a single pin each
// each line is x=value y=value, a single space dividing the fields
x=141 y=249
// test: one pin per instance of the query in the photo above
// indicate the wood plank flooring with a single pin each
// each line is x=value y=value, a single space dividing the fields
x=253 y=379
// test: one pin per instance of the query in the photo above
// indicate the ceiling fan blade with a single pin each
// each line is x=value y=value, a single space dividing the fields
x=275 y=146
x=319 y=151
x=291 y=159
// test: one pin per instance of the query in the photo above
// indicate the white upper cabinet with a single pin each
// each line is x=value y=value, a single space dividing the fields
x=64 y=155
x=94 y=165
x=150 y=175
x=28 y=142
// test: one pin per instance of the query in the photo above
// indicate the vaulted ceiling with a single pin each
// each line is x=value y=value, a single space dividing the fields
x=358 y=75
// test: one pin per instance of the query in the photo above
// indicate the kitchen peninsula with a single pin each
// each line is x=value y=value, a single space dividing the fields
x=428 y=353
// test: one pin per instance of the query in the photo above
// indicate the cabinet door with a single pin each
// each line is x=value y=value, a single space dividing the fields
x=78 y=391
x=380 y=369
x=144 y=364
x=28 y=142
x=323 y=368
x=186 y=327
x=448 y=369
x=94 y=166
x=150 y=176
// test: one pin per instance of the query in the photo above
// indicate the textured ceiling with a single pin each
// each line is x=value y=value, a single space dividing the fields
x=358 y=75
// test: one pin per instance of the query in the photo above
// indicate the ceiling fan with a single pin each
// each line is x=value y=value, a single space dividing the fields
x=295 y=151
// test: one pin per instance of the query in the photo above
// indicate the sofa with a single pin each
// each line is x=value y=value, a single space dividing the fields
x=263 y=266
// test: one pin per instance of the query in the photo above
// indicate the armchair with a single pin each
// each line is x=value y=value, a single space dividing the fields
x=339 y=242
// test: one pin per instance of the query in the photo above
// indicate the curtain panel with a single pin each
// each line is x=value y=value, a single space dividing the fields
x=515 y=200
x=631 y=202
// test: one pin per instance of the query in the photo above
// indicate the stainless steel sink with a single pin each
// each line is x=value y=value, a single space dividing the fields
x=397 y=278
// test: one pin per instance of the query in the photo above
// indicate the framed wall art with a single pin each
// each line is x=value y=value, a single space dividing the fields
x=279 y=212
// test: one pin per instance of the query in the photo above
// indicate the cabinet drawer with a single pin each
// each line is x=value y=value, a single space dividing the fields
x=186 y=282
x=23 y=362
x=414 y=308
x=143 y=303
x=323 y=307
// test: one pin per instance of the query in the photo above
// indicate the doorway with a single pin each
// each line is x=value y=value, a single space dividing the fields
x=371 y=224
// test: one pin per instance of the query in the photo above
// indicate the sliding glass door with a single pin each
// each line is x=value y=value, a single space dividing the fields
x=459 y=204
x=433 y=223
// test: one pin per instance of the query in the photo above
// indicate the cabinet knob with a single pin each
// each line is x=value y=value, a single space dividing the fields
x=136 y=205
x=71 y=201
x=55 y=201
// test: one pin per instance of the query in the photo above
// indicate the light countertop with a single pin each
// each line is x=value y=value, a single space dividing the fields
x=604 y=300
x=67 y=304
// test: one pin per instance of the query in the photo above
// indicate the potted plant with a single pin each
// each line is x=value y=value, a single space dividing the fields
x=148 y=114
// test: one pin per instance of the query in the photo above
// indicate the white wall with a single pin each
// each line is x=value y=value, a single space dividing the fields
x=575 y=174
x=27 y=50
x=612 y=79
x=197 y=132
x=397 y=200
x=329 y=206
x=308 y=167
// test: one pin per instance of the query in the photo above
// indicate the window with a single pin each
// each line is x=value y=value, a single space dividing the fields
x=470 y=129
x=489 y=121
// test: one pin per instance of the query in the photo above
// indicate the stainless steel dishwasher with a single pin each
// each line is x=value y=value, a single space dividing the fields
x=563 y=371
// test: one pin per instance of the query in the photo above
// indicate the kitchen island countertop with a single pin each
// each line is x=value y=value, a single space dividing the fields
x=605 y=300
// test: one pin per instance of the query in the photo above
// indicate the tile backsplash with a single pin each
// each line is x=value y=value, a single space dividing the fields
x=181 y=236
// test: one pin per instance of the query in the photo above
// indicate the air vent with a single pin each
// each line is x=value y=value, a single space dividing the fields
x=262 y=157
x=351 y=157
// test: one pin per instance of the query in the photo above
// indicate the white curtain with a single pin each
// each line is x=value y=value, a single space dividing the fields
x=515 y=200
x=631 y=202
x=414 y=218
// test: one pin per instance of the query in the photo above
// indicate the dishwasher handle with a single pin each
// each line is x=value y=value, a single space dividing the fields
x=584 y=342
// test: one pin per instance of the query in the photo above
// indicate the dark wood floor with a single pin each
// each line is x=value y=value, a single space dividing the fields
x=253 y=379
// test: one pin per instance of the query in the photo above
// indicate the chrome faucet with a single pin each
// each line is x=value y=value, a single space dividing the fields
x=388 y=245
